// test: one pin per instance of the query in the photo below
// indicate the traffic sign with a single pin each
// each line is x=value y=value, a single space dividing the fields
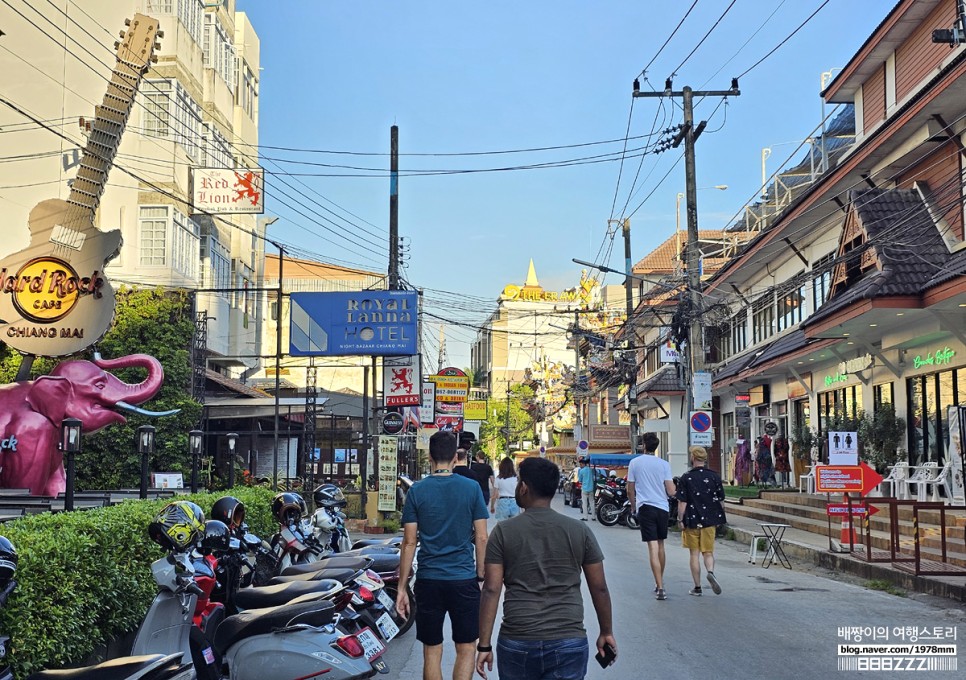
x=846 y=478
x=834 y=509
x=700 y=421
x=582 y=447
x=701 y=438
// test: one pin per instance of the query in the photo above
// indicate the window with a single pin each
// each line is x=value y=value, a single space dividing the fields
x=189 y=13
x=171 y=113
x=821 y=280
x=220 y=52
x=791 y=304
x=162 y=225
x=247 y=89
x=215 y=150
x=739 y=331
x=217 y=272
x=153 y=229
x=762 y=318
x=882 y=394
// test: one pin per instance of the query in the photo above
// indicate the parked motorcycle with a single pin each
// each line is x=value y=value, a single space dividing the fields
x=149 y=667
x=610 y=500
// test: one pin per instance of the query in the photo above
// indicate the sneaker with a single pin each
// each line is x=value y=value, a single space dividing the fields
x=714 y=583
x=593 y=519
x=661 y=595
x=656 y=589
x=696 y=591
x=583 y=519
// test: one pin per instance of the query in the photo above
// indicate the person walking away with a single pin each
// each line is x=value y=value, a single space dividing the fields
x=539 y=557
x=461 y=467
x=700 y=495
x=586 y=478
x=484 y=475
x=650 y=484
x=446 y=514
x=504 y=503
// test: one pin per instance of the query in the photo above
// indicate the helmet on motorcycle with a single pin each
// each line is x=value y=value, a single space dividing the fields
x=329 y=496
x=612 y=474
x=323 y=520
x=178 y=527
x=230 y=511
x=288 y=508
x=217 y=537
x=8 y=561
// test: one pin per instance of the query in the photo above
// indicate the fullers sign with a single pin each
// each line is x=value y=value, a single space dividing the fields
x=360 y=323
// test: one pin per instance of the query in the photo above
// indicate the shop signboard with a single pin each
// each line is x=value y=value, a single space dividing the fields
x=356 y=323
x=428 y=406
x=388 y=448
x=452 y=385
x=226 y=191
x=475 y=409
x=701 y=390
x=400 y=381
x=609 y=435
x=846 y=478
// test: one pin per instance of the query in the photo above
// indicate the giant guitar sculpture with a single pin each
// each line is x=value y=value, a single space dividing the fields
x=54 y=297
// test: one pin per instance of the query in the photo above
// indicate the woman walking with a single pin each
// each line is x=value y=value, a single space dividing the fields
x=503 y=504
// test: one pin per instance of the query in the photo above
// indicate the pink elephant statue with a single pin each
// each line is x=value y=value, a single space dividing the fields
x=31 y=413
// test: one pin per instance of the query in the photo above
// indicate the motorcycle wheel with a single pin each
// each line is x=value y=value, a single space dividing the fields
x=632 y=520
x=403 y=624
x=608 y=514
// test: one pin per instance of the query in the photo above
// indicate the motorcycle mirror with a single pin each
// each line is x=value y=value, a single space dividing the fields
x=252 y=541
x=234 y=544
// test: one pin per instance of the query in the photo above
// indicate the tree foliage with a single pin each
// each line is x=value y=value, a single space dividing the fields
x=147 y=321
x=493 y=430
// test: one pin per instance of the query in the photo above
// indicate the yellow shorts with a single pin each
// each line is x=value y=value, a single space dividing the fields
x=699 y=539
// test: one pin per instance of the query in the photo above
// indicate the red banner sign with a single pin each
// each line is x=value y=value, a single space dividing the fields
x=859 y=478
x=836 y=509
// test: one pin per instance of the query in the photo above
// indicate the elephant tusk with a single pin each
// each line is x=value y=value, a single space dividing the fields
x=144 y=412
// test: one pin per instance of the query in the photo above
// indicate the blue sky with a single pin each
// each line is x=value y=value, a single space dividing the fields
x=501 y=75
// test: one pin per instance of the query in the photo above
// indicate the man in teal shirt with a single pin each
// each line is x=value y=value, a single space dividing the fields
x=586 y=478
x=447 y=515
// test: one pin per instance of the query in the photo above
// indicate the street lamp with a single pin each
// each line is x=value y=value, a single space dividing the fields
x=232 y=437
x=70 y=441
x=146 y=449
x=195 y=441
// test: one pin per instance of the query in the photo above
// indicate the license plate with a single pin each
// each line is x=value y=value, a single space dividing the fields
x=387 y=627
x=385 y=600
x=371 y=644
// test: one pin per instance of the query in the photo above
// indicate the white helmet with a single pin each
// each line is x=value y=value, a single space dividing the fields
x=613 y=474
x=323 y=520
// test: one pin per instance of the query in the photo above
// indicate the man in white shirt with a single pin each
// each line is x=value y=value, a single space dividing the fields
x=650 y=484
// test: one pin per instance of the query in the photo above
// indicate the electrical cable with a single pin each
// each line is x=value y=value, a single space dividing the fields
x=787 y=38
x=701 y=42
x=643 y=72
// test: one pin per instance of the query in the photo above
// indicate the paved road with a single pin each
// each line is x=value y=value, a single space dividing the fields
x=768 y=623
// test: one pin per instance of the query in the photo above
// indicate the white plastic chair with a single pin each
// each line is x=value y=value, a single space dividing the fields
x=806 y=483
x=920 y=478
x=941 y=479
x=896 y=480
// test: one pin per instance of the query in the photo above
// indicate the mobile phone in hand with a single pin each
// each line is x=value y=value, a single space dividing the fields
x=607 y=658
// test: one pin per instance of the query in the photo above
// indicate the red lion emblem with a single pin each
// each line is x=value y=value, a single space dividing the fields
x=247 y=181
x=400 y=380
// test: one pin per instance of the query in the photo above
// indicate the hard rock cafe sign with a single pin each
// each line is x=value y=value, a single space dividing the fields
x=54 y=298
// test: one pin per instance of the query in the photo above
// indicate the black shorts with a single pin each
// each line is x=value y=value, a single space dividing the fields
x=653 y=522
x=435 y=599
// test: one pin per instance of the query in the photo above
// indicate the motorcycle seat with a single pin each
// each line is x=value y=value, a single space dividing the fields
x=341 y=574
x=384 y=564
x=264 y=621
x=348 y=562
x=371 y=550
x=115 y=669
x=283 y=593
x=364 y=542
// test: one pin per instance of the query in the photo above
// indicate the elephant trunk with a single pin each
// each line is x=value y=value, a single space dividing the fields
x=135 y=393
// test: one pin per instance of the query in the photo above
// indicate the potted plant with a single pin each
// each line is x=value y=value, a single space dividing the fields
x=879 y=437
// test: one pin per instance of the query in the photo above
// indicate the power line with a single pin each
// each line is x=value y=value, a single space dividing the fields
x=701 y=42
x=643 y=72
x=787 y=38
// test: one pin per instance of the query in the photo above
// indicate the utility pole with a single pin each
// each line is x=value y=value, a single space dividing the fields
x=394 y=207
x=578 y=421
x=507 y=419
x=689 y=133
x=629 y=325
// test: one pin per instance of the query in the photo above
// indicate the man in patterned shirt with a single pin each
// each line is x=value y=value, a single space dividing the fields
x=700 y=497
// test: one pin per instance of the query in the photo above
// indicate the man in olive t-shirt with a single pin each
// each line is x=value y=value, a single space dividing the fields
x=542 y=633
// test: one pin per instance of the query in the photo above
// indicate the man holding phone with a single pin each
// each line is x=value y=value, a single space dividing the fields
x=542 y=634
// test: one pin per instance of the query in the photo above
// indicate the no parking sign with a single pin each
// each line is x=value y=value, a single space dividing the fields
x=701 y=431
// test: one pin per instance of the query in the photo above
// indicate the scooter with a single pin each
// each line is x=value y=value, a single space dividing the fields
x=147 y=667
x=610 y=502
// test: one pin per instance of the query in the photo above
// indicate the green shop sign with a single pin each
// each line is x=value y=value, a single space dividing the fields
x=942 y=357
x=837 y=378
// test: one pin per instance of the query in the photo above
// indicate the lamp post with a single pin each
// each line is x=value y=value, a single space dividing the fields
x=146 y=449
x=232 y=438
x=195 y=441
x=70 y=440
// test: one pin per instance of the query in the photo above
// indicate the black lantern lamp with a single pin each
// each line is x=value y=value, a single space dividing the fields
x=146 y=449
x=70 y=445
x=232 y=438
x=195 y=442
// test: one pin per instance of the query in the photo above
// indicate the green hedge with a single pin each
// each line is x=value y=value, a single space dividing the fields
x=84 y=577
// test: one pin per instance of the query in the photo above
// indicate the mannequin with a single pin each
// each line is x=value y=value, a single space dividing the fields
x=782 y=464
x=742 y=461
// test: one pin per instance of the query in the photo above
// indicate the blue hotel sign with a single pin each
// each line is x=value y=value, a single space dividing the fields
x=359 y=323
